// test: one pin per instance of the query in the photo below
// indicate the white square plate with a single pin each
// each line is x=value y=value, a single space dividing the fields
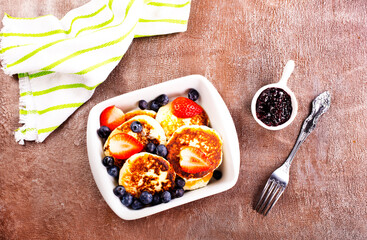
x=220 y=120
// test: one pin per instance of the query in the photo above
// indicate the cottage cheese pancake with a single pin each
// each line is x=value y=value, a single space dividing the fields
x=152 y=132
x=146 y=172
x=191 y=139
x=138 y=112
x=195 y=183
x=170 y=123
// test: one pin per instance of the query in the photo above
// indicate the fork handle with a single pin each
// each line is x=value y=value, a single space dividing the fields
x=319 y=106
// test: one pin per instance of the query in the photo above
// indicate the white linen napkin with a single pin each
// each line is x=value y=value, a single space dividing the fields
x=61 y=62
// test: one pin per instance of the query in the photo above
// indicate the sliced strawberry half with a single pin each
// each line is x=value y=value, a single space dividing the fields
x=192 y=160
x=112 y=117
x=123 y=146
x=185 y=108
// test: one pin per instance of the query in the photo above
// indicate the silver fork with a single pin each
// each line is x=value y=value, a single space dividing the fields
x=279 y=179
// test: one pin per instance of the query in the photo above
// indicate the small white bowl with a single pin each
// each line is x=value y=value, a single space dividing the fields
x=288 y=69
x=220 y=119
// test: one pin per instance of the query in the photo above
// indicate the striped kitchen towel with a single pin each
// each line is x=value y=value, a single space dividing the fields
x=61 y=62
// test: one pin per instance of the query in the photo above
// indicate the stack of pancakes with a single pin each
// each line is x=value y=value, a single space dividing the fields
x=149 y=172
x=170 y=123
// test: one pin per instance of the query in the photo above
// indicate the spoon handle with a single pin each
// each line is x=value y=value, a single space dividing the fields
x=288 y=69
x=319 y=106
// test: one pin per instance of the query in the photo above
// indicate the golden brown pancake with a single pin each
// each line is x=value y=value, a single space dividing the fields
x=170 y=123
x=202 y=137
x=195 y=183
x=137 y=112
x=152 y=132
x=146 y=172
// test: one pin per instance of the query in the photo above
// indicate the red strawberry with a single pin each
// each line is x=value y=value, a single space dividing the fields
x=123 y=146
x=185 y=108
x=192 y=160
x=112 y=117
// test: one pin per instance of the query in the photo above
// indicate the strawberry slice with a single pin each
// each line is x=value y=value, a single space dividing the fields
x=112 y=117
x=123 y=146
x=185 y=108
x=192 y=160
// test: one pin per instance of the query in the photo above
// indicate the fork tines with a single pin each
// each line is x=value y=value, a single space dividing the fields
x=269 y=196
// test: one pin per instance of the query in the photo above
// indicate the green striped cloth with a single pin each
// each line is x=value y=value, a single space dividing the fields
x=61 y=62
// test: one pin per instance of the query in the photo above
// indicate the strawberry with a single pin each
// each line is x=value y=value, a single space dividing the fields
x=185 y=108
x=123 y=146
x=192 y=160
x=112 y=117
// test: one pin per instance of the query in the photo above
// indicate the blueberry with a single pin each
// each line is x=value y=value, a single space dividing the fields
x=119 y=191
x=108 y=161
x=103 y=132
x=179 y=192
x=172 y=192
x=150 y=147
x=162 y=99
x=143 y=104
x=127 y=199
x=113 y=171
x=161 y=150
x=217 y=174
x=146 y=197
x=166 y=197
x=136 y=204
x=136 y=127
x=180 y=183
x=154 y=105
x=156 y=199
x=193 y=94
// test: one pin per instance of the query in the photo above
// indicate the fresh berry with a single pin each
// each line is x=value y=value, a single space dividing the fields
x=166 y=197
x=185 y=108
x=179 y=192
x=161 y=150
x=146 y=197
x=136 y=127
x=162 y=100
x=143 y=104
x=136 y=204
x=217 y=174
x=156 y=199
x=127 y=199
x=119 y=191
x=122 y=146
x=113 y=171
x=193 y=94
x=108 y=161
x=150 y=147
x=192 y=160
x=172 y=192
x=112 y=117
x=103 y=132
x=273 y=106
x=154 y=105
x=180 y=183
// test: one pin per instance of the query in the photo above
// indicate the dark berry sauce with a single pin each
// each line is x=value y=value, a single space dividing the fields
x=273 y=106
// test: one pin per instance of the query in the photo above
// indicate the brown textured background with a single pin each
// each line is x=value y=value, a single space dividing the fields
x=47 y=190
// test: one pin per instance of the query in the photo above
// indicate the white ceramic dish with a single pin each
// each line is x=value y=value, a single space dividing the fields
x=220 y=119
x=288 y=69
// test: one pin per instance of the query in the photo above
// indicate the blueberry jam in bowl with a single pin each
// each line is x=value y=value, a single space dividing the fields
x=275 y=106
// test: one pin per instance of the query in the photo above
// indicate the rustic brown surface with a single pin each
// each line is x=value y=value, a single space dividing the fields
x=48 y=192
